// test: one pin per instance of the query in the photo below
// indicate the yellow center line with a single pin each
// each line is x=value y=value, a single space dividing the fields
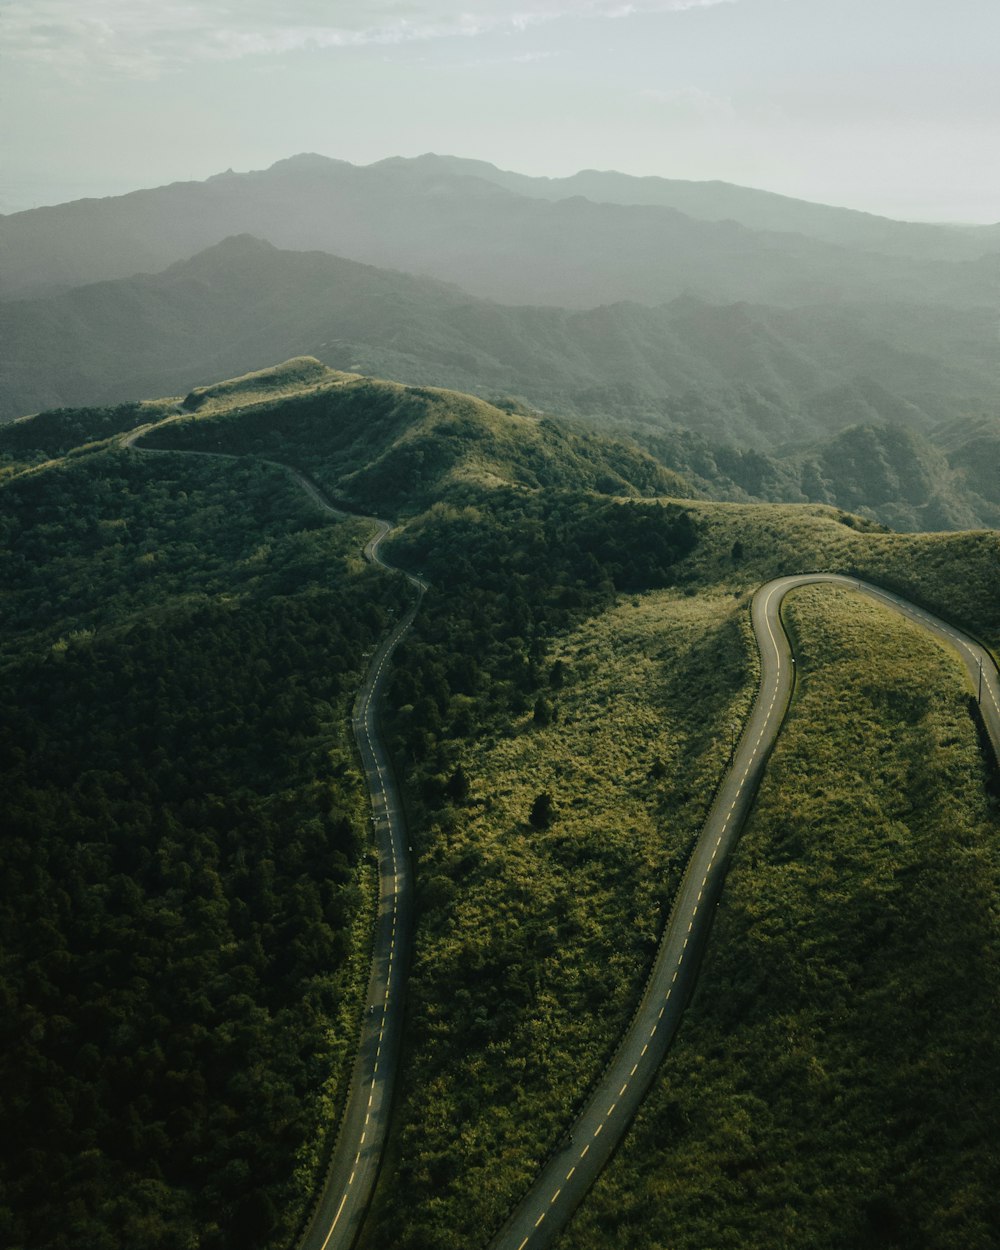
x=334 y=1224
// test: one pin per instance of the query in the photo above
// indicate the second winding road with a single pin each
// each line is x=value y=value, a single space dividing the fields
x=560 y=1186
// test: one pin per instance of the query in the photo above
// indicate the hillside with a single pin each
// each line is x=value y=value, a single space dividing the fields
x=386 y=447
x=744 y=373
x=182 y=636
x=813 y=1097
x=947 y=480
x=625 y=726
x=436 y=220
x=184 y=886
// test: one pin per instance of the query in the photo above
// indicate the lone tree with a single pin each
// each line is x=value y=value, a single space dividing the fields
x=542 y=811
x=457 y=788
x=543 y=711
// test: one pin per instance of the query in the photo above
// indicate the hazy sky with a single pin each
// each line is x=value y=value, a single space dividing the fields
x=888 y=105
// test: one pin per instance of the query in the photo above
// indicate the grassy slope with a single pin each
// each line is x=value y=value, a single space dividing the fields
x=532 y=944
x=833 y=1083
x=592 y=883
x=398 y=448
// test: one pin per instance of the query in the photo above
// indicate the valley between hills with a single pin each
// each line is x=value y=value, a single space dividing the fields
x=356 y=874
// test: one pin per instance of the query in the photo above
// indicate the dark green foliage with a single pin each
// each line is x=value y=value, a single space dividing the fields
x=457 y=789
x=96 y=540
x=543 y=711
x=389 y=448
x=54 y=433
x=179 y=871
x=567 y=550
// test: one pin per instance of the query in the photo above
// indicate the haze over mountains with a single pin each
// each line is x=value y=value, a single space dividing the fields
x=763 y=347
x=243 y=302
x=442 y=218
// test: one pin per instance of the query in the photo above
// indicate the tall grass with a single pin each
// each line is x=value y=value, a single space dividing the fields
x=834 y=1082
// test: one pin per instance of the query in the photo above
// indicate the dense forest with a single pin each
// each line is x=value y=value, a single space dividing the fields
x=185 y=890
x=185 y=893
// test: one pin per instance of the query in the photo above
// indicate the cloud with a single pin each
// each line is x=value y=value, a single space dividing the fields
x=692 y=104
x=149 y=37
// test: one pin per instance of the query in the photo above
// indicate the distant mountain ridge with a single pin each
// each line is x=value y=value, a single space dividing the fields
x=947 y=480
x=752 y=375
x=757 y=209
x=437 y=217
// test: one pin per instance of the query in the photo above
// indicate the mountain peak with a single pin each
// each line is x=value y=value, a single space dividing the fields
x=308 y=163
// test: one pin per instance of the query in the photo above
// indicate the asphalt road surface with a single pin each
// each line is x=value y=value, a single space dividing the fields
x=564 y=1180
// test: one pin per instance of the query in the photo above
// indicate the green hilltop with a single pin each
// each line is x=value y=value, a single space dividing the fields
x=380 y=445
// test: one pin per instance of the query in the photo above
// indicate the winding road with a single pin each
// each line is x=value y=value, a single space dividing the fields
x=340 y=1206
x=562 y=1183
x=354 y=1166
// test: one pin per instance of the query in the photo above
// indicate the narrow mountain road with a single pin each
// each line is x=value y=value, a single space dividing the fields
x=350 y=1182
x=340 y=1207
x=558 y=1189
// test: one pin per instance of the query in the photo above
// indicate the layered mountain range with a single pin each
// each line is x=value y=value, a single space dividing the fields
x=762 y=347
x=511 y=238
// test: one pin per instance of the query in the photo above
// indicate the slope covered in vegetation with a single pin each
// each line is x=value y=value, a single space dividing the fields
x=622 y=721
x=832 y=1083
x=184 y=895
x=384 y=446
x=746 y=373
x=184 y=892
